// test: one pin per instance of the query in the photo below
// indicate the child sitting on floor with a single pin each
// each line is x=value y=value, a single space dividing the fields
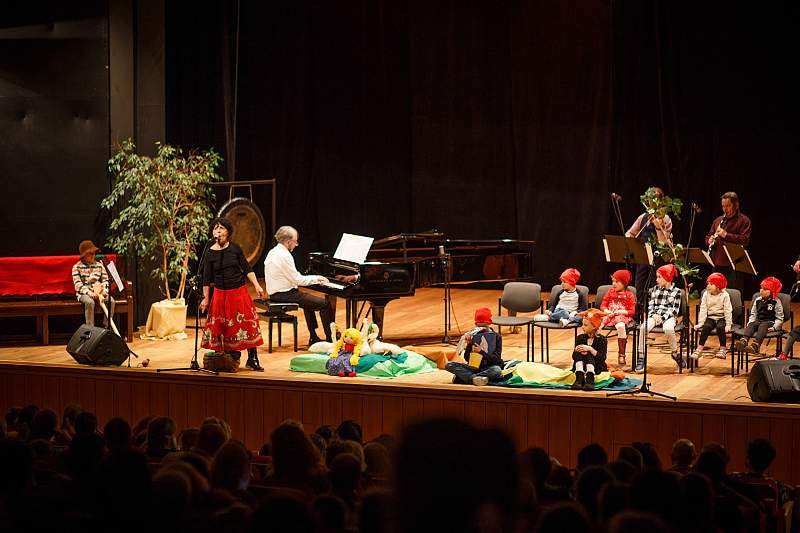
x=715 y=314
x=564 y=308
x=482 y=349
x=766 y=314
x=620 y=305
x=662 y=310
x=589 y=357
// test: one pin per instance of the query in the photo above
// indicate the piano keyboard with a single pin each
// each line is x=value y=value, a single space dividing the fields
x=335 y=285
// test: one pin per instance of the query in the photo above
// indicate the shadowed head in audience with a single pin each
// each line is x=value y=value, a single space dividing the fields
x=760 y=454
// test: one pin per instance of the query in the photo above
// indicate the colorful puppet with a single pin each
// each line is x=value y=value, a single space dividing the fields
x=345 y=354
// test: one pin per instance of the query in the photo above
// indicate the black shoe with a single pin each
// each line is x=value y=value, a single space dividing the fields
x=589 y=385
x=579 y=381
x=252 y=361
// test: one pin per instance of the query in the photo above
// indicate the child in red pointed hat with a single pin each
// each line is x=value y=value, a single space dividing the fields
x=620 y=305
x=589 y=356
x=662 y=310
x=715 y=314
x=482 y=349
x=565 y=301
x=766 y=315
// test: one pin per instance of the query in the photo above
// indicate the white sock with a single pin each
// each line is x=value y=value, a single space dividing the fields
x=589 y=368
x=578 y=366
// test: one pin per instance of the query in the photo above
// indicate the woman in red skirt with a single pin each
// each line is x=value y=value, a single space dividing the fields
x=232 y=323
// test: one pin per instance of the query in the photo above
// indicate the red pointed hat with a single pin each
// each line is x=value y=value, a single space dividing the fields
x=718 y=279
x=594 y=316
x=571 y=276
x=483 y=315
x=668 y=272
x=623 y=276
x=772 y=284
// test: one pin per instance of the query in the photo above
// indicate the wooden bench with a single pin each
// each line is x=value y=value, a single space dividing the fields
x=61 y=301
x=42 y=309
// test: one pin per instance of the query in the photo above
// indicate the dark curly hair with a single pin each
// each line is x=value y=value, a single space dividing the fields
x=225 y=223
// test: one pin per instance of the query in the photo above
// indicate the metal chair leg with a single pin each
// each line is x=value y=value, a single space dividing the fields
x=270 y=335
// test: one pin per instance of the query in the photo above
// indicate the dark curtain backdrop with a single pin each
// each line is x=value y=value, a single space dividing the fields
x=496 y=119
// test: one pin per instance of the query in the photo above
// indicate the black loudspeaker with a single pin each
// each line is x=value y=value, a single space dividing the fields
x=775 y=381
x=97 y=346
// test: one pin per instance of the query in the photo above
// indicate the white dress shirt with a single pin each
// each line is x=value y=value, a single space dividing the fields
x=280 y=273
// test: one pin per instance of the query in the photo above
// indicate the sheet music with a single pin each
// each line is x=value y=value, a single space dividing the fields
x=353 y=248
x=708 y=257
x=112 y=268
x=608 y=254
x=649 y=248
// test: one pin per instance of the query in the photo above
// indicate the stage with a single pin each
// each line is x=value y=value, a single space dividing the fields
x=711 y=405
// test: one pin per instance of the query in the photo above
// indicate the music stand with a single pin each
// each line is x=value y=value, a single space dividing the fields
x=630 y=250
x=698 y=256
x=739 y=258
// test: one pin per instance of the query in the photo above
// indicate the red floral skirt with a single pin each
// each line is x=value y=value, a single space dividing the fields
x=232 y=322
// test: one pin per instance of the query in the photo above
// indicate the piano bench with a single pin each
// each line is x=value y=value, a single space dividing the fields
x=278 y=313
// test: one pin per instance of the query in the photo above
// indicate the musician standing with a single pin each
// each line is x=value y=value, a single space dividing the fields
x=732 y=227
x=282 y=279
x=647 y=227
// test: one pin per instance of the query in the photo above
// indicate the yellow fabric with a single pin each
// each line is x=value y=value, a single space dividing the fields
x=542 y=373
x=167 y=319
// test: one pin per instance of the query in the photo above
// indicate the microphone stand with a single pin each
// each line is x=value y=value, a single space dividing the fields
x=695 y=209
x=644 y=388
x=615 y=199
x=196 y=285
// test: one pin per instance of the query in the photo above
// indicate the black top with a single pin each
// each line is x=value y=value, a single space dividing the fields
x=598 y=343
x=226 y=268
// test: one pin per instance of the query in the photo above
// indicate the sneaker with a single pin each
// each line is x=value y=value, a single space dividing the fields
x=589 y=385
x=678 y=360
x=754 y=347
x=639 y=366
x=564 y=322
x=696 y=354
x=722 y=353
x=579 y=381
x=480 y=381
x=783 y=357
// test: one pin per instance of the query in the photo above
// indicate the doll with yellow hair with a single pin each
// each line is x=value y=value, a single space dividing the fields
x=345 y=354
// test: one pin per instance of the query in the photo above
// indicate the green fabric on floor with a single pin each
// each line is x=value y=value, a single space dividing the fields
x=374 y=365
x=540 y=375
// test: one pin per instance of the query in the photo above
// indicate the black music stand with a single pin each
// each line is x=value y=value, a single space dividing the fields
x=739 y=258
x=698 y=256
x=630 y=250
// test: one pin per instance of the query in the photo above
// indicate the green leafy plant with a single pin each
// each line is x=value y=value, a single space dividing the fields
x=659 y=206
x=164 y=207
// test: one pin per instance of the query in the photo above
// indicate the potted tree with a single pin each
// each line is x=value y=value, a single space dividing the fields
x=163 y=213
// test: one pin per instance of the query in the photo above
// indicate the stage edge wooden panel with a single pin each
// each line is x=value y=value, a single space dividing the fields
x=560 y=422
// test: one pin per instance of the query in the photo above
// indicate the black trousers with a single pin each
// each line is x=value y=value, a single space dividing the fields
x=758 y=329
x=716 y=325
x=309 y=303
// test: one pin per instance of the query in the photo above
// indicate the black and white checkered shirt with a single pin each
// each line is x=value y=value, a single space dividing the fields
x=664 y=301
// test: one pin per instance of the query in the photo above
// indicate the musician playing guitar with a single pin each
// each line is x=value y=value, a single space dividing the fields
x=733 y=227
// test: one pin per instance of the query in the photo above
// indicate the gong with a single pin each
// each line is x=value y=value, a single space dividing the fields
x=249 y=229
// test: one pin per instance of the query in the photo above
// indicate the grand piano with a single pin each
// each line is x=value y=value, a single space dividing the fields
x=397 y=265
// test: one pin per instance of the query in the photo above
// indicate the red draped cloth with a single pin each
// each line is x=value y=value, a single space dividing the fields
x=39 y=275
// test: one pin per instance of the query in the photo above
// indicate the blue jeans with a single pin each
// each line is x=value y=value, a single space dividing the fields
x=464 y=373
x=560 y=313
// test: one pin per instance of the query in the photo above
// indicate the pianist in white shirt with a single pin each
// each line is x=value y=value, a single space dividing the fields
x=282 y=279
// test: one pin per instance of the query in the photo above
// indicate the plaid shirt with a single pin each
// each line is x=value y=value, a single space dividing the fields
x=664 y=301
x=85 y=276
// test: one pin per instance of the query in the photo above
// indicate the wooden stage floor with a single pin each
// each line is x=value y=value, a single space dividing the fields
x=711 y=406
x=420 y=317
